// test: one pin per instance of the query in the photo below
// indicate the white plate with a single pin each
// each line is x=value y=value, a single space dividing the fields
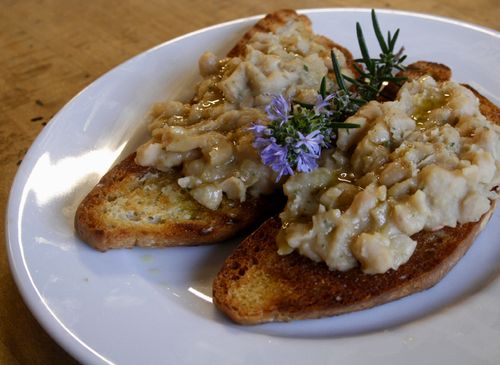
x=153 y=306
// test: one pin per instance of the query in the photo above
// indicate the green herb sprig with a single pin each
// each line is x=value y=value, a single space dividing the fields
x=376 y=73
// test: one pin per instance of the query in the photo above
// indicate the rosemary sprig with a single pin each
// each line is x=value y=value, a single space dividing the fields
x=344 y=102
x=298 y=131
x=376 y=73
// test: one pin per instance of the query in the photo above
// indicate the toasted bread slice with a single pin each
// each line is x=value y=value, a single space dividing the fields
x=138 y=206
x=257 y=285
x=273 y=21
x=437 y=71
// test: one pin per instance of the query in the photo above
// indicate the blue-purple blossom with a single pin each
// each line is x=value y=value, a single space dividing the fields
x=284 y=169
x=271 y=153
x=278 y=109
x=294 y=137
x=258 y=129
x=260 y=142
x=321 y=104
x=312 y=142
x=306 y=162
x=262 y=134
x=276 y=156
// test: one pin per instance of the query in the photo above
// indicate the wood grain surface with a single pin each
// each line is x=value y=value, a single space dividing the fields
x=51 y=49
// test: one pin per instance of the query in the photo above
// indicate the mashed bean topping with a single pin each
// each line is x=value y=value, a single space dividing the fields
x=209 y=138
x=427 y=160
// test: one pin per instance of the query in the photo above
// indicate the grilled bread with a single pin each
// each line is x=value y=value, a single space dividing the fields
x=257 y=285
x=141 y=206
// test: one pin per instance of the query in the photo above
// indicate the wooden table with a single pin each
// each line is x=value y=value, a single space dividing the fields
x=49 y=50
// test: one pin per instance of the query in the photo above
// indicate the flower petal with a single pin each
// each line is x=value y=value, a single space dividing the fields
x=306 y=162
x=278 y=108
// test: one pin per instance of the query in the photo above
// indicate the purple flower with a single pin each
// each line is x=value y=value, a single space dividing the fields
x=306 y=162
x=278 y=109
x=260 y=143
x=262 y=134
x=276 y=156
x=284 y=169
x=321 y=104
x=258 y=129
x=312 y=142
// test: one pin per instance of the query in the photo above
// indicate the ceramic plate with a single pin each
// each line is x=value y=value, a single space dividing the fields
x=151 y=306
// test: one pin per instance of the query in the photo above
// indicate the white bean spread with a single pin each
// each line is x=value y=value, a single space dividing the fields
x=209 y=138
x=427 y=160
